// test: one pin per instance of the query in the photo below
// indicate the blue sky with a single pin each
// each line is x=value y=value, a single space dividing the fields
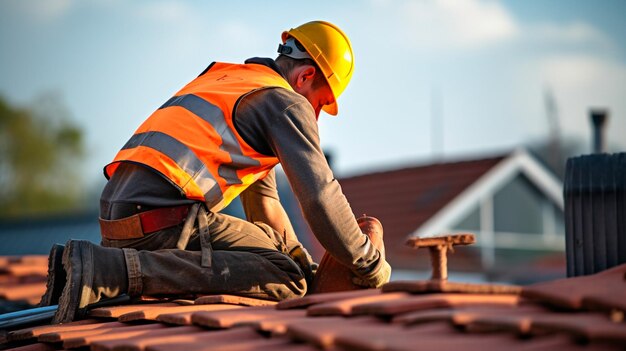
x=480 y=67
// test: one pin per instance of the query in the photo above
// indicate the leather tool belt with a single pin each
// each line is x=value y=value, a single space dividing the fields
x=140 y=224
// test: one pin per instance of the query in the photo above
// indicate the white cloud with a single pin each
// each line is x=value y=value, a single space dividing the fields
x=456 y=24
x=574 y=72
x=444 y=26
x=577 y=32
x=577 y=36
x=575 y=59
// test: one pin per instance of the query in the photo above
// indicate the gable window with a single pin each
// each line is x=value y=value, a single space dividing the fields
x=518 y=207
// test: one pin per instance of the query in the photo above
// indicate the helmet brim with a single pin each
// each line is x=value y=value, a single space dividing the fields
x=331 y=109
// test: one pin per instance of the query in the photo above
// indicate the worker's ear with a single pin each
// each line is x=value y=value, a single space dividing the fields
x=306 y=73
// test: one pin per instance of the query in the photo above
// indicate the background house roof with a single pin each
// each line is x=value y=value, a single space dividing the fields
x=430 y=199
x=404 y=199
x=516 y=163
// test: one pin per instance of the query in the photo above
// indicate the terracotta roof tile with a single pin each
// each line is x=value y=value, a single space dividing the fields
x=23 y=278
x=366 y=320
x=38 y=260
x=444 y=338
x=586 y=326
x=289 y=346
x=232 y=299
x=35 y=347
x=589 y=327
x=276 y=326
x=139 y=343
x=462 y=316
x=436 y=285
x=79 y=331
x=34 y=332
x=184 y=318
x=30 y=292
x=73 y=341
x=154 y=313
x=517 y=321
x=422 y=302
x=606 y=300
x=326 y=297
x=117 y=311
x=229 y=319
x=24 y=270
x=432 y=336
x=322 y=331
x=595 y=289
x=254 y=345
x=212 y=339
x=345 y=307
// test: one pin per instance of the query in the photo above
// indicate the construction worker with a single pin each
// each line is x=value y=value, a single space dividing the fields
x=218 y=138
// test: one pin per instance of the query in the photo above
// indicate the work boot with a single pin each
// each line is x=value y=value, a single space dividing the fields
x=56 y=277
x=92 y=272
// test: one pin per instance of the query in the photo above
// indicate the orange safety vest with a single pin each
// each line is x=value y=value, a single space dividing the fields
x=192 y=140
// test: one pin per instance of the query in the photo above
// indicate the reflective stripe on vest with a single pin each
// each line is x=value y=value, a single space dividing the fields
x=215 y=117
x=192 y=141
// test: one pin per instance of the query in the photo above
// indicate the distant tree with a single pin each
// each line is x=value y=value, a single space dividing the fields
x=40 y=151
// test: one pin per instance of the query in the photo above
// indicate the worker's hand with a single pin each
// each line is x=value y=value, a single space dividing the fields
x=301 y=256
x=376 y=278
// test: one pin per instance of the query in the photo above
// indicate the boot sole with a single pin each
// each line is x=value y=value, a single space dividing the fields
x=75 y=255
x=56 y=277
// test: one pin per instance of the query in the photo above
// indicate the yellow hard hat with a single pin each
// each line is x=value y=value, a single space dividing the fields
x=330 y=48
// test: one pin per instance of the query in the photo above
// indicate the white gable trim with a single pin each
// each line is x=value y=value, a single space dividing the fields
x=487 y=185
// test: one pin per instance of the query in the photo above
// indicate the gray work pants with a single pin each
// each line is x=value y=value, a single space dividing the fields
x=245 y=259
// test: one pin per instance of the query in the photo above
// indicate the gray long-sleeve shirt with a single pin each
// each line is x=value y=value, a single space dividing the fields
x=276 y=122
